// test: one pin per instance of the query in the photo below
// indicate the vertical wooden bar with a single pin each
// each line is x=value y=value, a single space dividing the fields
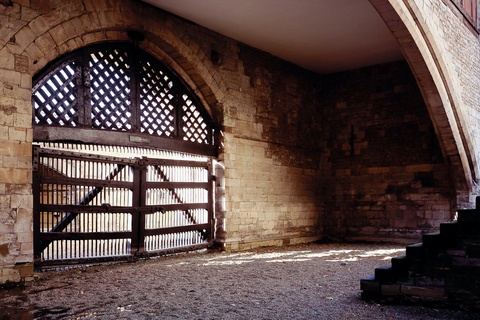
x=139 y=197
x=135 y=203
x=36 y=206
x=177 y=111
x=135 y=100
x=143 y=199
x=79 y=91
x=211 y=220
x=86 y=84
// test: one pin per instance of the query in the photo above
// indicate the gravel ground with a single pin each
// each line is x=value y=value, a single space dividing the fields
x=314 y=281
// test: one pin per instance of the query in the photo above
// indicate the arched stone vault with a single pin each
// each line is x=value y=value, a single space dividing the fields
x=417 y=42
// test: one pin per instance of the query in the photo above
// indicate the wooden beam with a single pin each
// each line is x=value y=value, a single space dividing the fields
x=119 y=138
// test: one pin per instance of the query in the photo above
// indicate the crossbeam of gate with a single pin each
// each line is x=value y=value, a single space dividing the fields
x=175 y=195
x=70 y=216
x=91 y=208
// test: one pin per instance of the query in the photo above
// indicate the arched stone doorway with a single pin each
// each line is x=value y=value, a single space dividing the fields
x=122 y=155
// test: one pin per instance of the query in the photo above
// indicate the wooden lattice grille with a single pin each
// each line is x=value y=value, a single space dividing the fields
x=118 y=87
x=109 y=79
x=194 y=125
x=55 y=100
x=157 y=99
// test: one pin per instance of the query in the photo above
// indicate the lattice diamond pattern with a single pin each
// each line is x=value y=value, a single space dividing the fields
x=110 y=90
x=157 y=113
x=54 y=100
x=106 y=75
x=194 y=127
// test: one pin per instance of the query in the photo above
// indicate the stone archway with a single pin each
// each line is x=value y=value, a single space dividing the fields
x=50 y=29
x=414 y=39
x=116 y=95
x=44 y=40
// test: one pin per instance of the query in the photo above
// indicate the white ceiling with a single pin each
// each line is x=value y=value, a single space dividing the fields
x=323 y=36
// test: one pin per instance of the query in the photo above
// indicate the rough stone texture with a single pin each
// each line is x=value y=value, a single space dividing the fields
x=458 y=47
x=384 y=171
x=271 y=167
x=442 y=49
x=351 y=155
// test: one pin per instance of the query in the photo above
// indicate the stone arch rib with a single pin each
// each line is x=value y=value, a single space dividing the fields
x=439 y=100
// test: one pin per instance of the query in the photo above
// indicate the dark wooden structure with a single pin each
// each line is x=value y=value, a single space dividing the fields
x=116 y=94
x=122 y=159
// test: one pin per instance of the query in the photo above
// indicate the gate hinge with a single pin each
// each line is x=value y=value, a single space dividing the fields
x=35 y=158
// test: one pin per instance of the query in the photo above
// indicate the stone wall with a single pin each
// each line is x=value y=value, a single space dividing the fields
x=442 y=49
x=16 y=202
x=272 y=154
x=385 y=176
x=352 y=155
x=457 y=45
x=270 y=167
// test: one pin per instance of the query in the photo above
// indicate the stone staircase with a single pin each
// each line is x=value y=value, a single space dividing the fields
x=444 y=268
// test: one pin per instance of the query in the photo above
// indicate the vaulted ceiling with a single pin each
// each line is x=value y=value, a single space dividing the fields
x=323 y=36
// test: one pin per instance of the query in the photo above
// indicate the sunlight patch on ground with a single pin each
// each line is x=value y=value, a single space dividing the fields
x=344 y=260
x=272 y=255
x=288 y=260
x=327 y=253
x=381 y=252
x=226 y=263
x=347 y=255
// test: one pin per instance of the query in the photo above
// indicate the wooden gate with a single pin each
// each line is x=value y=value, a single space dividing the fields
x=105 y=203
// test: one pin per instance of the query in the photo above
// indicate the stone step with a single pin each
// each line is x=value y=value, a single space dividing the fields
x=369 y=286
x=400 y=266
x=471 y=263
x=432 y=241
x=449 y=234
x=449 y=229
x=472 y=251
x=468 y=216
x=469 y=230
x=415 y=251
x=444 y=266
x=466 y=242
x=424 y=293
x=456 y=253
x=415 y=256
x=385 y=274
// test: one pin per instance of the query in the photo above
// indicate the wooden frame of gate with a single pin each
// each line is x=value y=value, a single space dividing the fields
x=107 y=206
x=150 y=213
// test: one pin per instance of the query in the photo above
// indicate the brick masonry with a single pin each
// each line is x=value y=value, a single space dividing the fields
x=272 y=172
x=382 y=157
x=353 y=155
x=442 y=49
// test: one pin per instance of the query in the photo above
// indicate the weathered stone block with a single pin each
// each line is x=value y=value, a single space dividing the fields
x=24 y=269
x=433 y=294
x=390 y=289
x=45 y=42
x=11 y=175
